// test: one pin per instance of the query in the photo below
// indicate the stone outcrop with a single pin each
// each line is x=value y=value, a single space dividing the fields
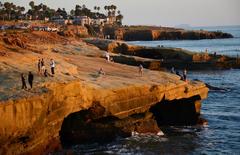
x=15 y=40
x=147 y=33
x=30 y=123
x=74 y=31
x=79 y=105
x=164 y=57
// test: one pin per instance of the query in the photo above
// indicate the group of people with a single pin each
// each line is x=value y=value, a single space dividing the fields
x=183 y=77
x=41 y=70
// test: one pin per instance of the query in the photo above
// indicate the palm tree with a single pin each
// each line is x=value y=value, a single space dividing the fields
x=105 y=7
x=77 y=10
x=113 y=7
x=108 y=8
x=31 y=4
x=2 y=11
x=72 y=12
x=113 y=13
x=8 y=8
x=119 y=19
x=77 y=7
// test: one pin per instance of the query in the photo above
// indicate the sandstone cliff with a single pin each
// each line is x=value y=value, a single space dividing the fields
x=79 y=105
x=158 y=58
x=147 y=33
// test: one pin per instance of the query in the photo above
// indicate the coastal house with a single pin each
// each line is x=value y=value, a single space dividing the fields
x=4 y=27
x=21 y=26
x=111 y=20
x=82 y=20
x=28 y=16
x=46 y=19
x=99 y=21
x=59 y=20
x=44 y=28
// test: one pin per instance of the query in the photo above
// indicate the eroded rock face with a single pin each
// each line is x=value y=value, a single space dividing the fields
x=177 y=112
x=15 y=40
x=136 y=33
x=74 y=31
x=159 y=58
x=93 y=125
x=29 y=124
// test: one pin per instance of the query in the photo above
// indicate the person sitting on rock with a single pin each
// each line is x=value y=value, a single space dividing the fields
x=140 y=70
x=177 y=73
x=24 y=86
x=101 y=72
x=46 y=74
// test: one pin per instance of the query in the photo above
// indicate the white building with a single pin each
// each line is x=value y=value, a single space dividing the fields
x=82 y=20
x=111 y=20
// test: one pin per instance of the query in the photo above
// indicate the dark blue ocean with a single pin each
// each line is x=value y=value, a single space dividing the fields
x=221 y=109
x=221 y=46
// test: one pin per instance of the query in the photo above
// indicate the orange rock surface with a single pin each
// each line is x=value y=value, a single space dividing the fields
x=31 y=119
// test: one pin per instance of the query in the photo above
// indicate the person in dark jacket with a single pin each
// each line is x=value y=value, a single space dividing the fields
x=24 y=86
x=39 y=66
x=30 y=79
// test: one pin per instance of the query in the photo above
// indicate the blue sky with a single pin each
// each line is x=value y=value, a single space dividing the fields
x=161 y=12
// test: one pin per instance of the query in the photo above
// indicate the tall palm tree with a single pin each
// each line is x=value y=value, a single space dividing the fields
x=8 y=8
x=44 y=7
x=31 y=4
x=105 y=7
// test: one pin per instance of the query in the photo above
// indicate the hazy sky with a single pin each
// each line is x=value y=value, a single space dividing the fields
x=162 y=12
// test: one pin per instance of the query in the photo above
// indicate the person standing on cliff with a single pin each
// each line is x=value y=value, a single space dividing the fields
x=52 y=64
x=30 y=79
x=24 y=86
x=173 y=70
x=43 y=66
x=185 y=74
x=39 y=66
x=140 y=70
x=107 y=56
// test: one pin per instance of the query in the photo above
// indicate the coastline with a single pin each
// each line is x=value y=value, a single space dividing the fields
x=78 y=87
x=161 y=58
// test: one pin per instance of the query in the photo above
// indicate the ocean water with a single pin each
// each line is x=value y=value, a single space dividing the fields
x=220 y=46
x=221 y=109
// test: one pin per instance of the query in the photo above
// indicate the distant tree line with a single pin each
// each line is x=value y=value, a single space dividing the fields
x=10 y=11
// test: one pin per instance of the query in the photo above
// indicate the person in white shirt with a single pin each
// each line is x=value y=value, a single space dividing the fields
x=140 y=70
x=52 y=64
x=107 y=56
